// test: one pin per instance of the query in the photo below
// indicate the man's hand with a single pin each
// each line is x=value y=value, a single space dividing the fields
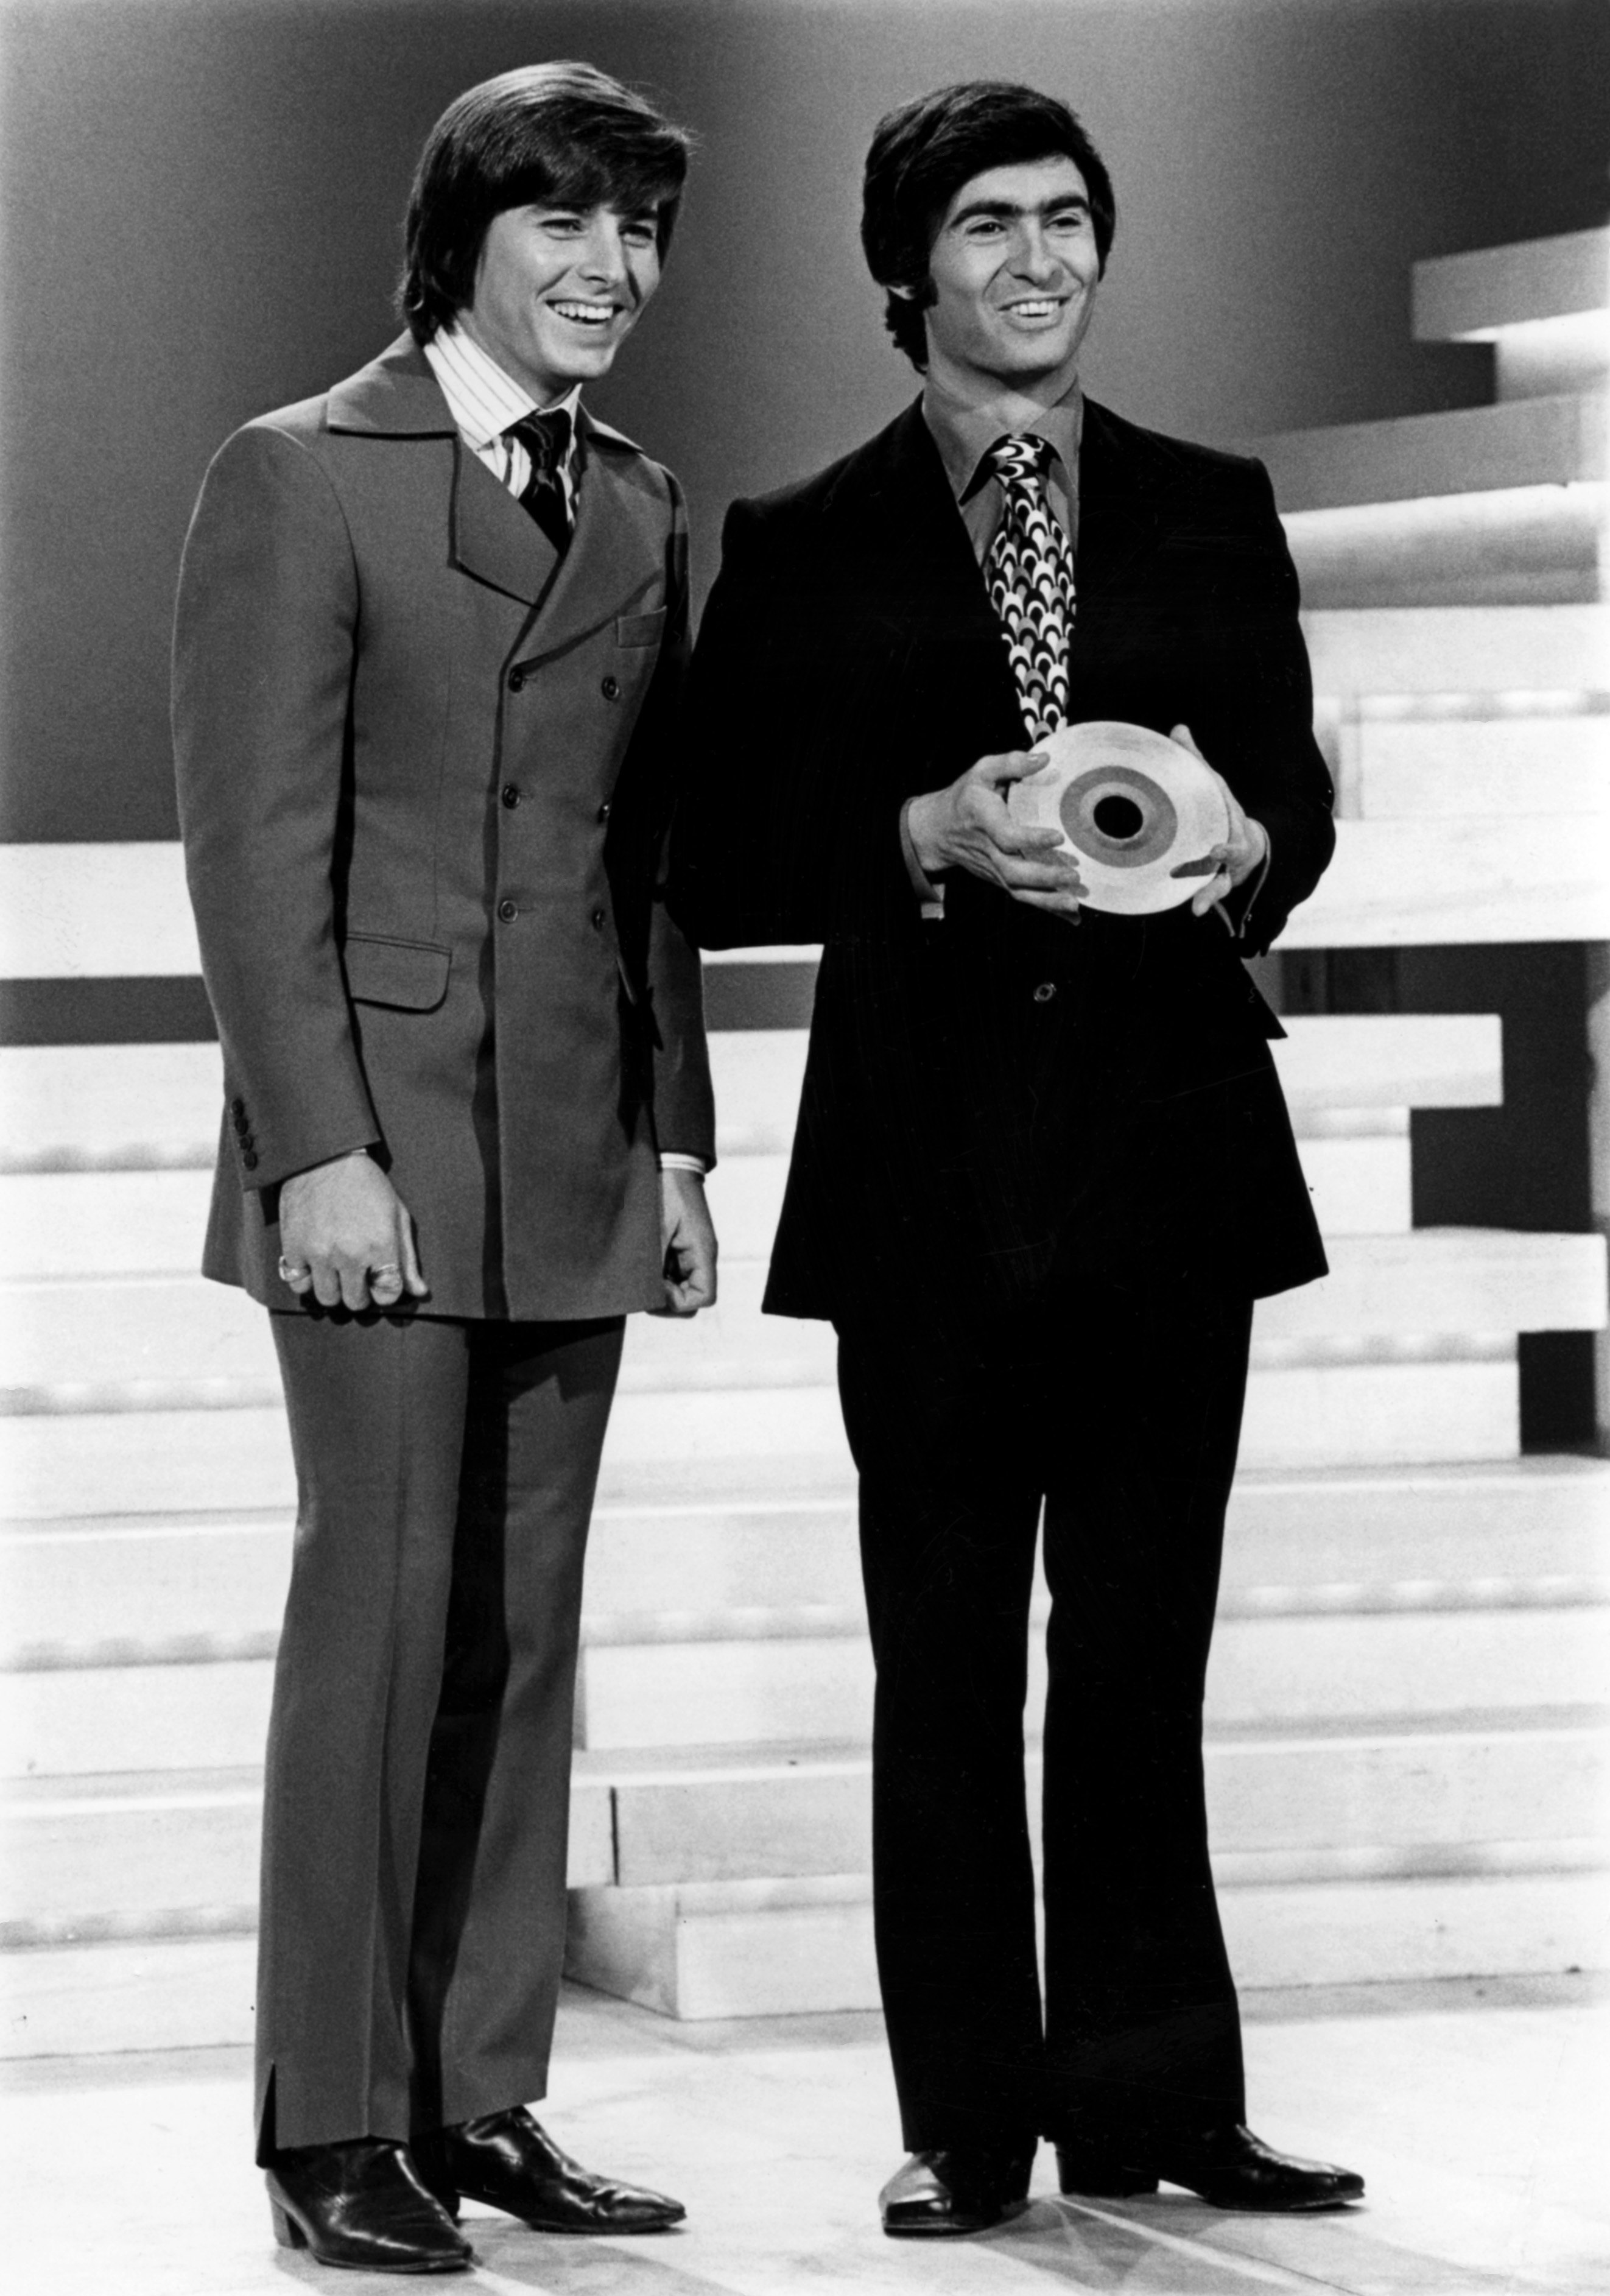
x=347 y=1235
x=689 y=1241
x=967 y=826
x=1229 y=864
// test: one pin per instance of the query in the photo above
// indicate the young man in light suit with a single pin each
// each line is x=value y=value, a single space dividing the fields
x=431 y=626
x=1040 y=1173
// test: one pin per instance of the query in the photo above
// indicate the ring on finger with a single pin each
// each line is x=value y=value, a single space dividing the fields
x=288 y=1273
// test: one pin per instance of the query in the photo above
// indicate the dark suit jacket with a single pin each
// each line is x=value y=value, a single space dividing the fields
x=424 y=775
x=1001 y=1092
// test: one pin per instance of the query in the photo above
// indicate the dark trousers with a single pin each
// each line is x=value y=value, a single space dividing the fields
x=1120 y=1412
x=417 y=1798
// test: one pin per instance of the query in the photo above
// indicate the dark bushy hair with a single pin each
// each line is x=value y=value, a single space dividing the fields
x=564 y=135
x=922 y=155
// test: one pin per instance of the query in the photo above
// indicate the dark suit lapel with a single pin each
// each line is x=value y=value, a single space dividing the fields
x=1124 y=487
x=923 y=589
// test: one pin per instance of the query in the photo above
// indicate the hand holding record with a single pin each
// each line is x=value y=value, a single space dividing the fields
x=1232 y=860
x=972 y=825
x=1143 y=815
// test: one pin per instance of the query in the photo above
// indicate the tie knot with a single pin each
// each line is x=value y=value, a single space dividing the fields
x=1020 y=456
x=545 y=438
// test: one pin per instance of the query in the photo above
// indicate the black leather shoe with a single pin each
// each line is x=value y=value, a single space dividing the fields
x=1230 y=2167
x=363 y=2205
x=508 y=2162
x=951 y=2191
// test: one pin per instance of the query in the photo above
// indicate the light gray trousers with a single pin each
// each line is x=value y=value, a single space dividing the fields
x=417 y=1798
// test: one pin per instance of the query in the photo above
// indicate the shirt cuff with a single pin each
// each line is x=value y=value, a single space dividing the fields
x=930 y=895
x=1246 y=894
x=671 y=1161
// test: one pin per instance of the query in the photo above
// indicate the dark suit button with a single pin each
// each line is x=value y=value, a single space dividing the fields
x=1045 y=992
x=237 y=1108
x=249 y=1140
x=598 y=920
x=611 y=689
x=604 y=810
x=510 y=795
x=248 y=1159
x=508 y=911
x=517 y=678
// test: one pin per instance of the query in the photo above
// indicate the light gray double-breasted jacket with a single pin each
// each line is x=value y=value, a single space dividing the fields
x=425 y=772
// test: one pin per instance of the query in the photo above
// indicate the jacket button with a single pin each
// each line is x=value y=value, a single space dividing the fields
x=508 y=911
x=511 y=794
x=604 y=810
x=249 y=1158
x=611 y=689
x=517 y=678
x=598 y=920
x=237 y=1107
x=1045 y=992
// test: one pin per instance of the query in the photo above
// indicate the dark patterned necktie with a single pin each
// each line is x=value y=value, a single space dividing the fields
x=1029 y=568
x=545 y=438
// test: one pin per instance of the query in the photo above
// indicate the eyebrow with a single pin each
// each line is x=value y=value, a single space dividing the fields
x=1008 y=210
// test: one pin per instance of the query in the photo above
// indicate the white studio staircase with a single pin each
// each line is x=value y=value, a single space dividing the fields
x=1405 y=1769
x=1456 y=574
x=1406 y=1753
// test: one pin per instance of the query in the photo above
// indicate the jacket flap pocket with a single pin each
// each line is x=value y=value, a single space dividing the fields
x=410 y=973
x=640 y=629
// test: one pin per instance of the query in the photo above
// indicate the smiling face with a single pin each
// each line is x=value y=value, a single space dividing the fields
x=557 y=290
x=1014 y=270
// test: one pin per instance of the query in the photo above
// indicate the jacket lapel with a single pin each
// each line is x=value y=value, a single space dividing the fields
x=922 y=590
x=923 y=583
x=617 y=545
x=1125 y=478
x=492 y=539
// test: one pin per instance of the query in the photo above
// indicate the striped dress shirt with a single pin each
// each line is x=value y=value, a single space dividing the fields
x=484 y=401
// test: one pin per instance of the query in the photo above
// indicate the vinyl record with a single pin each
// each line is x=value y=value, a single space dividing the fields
x=1132 y=805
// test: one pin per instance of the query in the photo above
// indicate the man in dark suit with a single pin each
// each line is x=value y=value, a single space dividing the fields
x=1040 y=1173
x=430 y=632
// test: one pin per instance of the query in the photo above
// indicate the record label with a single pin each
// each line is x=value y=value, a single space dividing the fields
x=1131 y=806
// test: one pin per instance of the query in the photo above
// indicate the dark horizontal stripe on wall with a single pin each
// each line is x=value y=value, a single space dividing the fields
x=165 y=1009
x=759 y=995
x=173 y=1010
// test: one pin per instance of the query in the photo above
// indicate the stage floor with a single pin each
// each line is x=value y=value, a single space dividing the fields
x=1477 y=2113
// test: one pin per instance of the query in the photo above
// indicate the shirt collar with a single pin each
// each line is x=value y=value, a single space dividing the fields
x=481 y=399
x=965 y=434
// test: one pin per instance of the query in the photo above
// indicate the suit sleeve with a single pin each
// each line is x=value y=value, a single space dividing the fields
x=766 y=843
x=263 y=662
x=684 y=1108
x=1259 y=731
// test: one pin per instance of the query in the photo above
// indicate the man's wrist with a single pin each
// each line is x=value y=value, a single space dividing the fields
x=919 y=823
x=324 y=1164
x=930 y=894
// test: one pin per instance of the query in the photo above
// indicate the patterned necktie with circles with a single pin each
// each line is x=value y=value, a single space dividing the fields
x=546 y=439
x=1029 y=568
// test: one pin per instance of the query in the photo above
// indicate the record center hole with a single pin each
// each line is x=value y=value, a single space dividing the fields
x=1118 y=817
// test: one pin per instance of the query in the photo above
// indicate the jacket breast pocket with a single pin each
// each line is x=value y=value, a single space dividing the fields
x=640 y=629
x=411 y=974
